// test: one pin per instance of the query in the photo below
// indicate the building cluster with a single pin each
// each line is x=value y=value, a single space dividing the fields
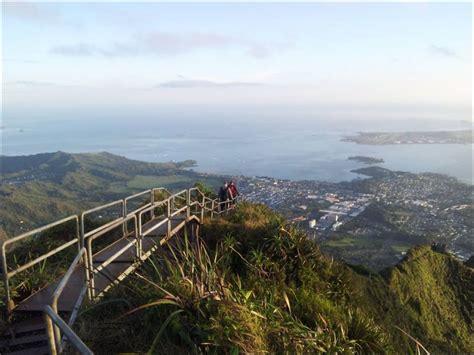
x=313 y=205
x=415 y=204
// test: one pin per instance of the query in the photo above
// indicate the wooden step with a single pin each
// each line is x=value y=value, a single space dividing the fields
x=41 y=350
x=25 y=326
x=26 y=340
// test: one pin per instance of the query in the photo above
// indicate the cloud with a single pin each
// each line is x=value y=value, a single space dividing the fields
x=166 y=44
x=30 y=11
x=17 y=60
x=258 y=51
x=29 y=83
x=77 y=50
x=188 y=83
x=444 y=51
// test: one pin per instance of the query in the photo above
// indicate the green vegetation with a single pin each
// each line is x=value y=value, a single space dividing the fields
x=42 y=188
x=366 y=160
x=251 y=284
x=142 y=182
x=372 y=238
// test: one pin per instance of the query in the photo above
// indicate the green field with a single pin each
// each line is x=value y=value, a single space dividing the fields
x=399 y=248
x=146 y=181
x=348 y=242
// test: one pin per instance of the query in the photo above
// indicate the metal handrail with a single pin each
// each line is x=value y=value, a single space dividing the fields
x=85 y=235
x=178 y=211
x=51 y=317
x=178 y=196
x=161 y=189
x=55 y=338
x=125 y=201
x=55 y=324
x=151 y=208
x=153 y=192
x=90 y=256
x=8 y=274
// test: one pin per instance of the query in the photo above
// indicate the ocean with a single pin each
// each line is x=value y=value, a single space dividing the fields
x=288 y=149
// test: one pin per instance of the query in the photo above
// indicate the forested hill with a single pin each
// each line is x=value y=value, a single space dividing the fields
x=41 y=188
x=256 y=285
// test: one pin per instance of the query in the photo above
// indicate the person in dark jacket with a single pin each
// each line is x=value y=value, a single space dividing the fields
x=223 y=196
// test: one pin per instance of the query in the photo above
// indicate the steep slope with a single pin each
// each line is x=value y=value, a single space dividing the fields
x=254 y=285
x=437 y=291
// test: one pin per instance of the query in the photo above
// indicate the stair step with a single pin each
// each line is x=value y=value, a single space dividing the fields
x=43 y=350
x=25 y=326
x=9 y=343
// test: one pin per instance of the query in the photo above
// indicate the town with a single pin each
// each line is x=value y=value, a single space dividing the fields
x=373 y=221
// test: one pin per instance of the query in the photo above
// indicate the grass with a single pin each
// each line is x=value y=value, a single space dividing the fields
x=250 y=285
x=348 y=241
x=143 y=182
x=400 y=248
x=253 y=284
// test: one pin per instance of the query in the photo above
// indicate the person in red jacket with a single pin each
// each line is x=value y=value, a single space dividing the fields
x=234 y=192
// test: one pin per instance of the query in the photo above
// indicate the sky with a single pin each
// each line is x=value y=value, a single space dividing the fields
x=327 y=59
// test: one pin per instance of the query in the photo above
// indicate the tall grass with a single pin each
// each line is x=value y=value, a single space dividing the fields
x=225 y=293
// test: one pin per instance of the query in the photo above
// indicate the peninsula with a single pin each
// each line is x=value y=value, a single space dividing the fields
x=414 y=137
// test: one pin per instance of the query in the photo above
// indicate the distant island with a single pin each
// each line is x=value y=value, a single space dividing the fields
x=366 y=160
x=378 y=172
x=421 y=137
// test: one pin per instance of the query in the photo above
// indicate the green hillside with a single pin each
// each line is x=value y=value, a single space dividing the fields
x=41 y=188
x=253 y=285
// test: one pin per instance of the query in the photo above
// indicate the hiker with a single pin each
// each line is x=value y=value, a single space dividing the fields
x=234 y=192
x=223 y=196
x=230 y=197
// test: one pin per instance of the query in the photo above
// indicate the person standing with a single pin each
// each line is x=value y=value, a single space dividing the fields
x=233 y=188
x=223 y=196
x=230 y=197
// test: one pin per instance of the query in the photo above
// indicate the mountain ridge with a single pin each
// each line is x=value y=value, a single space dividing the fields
x=40 y=188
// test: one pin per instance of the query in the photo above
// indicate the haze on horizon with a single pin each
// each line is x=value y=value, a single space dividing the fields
x=396 y=60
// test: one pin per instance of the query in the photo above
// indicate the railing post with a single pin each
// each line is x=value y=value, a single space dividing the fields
x=124 y=214
x=83 y=232
x=212 y=208
x=168 y=214
x=188 y=204
x=51 y=334
x=152 y=201
x=8 y=302
x=87 y=276
x=90 y=268
x=57 y=332
x=138 y=238
x=140 y=231
x=203 y=207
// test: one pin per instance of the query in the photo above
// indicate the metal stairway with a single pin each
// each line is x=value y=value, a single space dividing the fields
x=37 y=324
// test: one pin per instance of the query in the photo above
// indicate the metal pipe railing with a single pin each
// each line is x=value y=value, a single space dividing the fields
x=129 y=198
x=55 y=324
x=85 y=235
x=151 y=208
x=82 y=255
x=53 y=319
x=90 y=256
x=8 y=274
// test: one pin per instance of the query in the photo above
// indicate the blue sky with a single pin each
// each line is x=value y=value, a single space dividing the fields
x=344 y=58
